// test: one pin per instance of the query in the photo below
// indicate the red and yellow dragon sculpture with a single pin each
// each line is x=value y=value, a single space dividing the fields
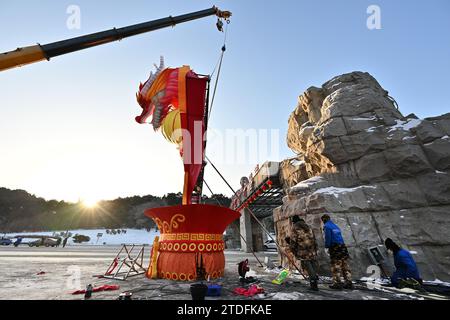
x=191 y=243
x=164 y=99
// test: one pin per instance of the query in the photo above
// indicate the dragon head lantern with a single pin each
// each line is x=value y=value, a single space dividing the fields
x=158 y=95
x=174 y=99
x=191 y=244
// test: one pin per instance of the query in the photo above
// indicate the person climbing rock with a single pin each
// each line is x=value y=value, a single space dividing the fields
x=338 y=254
x=303 y=245
x=406 y=273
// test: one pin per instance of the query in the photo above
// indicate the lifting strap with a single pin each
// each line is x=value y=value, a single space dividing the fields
x=219 y=66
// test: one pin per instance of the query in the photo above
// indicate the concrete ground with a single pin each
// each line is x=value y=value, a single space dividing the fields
x=72 y=268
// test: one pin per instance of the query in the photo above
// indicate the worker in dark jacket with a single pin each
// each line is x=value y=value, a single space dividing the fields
x=405 y=265
x=338 y=254
x=303 y=245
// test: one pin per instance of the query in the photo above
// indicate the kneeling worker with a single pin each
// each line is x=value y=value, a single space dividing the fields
x=405 y=265
x=338 y=254
x=303 y=245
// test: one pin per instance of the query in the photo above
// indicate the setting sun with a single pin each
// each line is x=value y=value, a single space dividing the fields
x=90 y=203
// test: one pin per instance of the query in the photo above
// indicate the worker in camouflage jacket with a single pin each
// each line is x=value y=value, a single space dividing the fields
x=303 y=245
x=338 y=252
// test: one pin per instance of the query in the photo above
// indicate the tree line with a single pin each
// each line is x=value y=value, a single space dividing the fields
x=22 y=211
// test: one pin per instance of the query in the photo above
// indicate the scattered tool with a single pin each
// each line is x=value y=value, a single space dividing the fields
x=125 y=296
x=198 y=291
x=214 y=290
x=377 y=259
x=281 y=277
x=88 y=293
x=97 y=289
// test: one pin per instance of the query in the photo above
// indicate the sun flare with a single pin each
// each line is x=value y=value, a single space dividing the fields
x=90 y=203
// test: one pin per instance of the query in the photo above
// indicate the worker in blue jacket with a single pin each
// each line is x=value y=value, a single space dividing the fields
x=405 y=265
x=338 y=254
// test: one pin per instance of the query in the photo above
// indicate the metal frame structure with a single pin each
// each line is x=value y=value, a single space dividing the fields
x=135 y=265
x=264 y=198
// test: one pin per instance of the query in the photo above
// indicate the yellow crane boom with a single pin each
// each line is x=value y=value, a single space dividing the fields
x=36 y=53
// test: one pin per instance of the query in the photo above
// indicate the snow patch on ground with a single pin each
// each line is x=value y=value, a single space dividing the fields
x=373 y=298
x=296 y=275
x=273 y=270
x=307 y=183
x=377 y=281
x=302 y=129
x=132 y=236
x=336 y=191
x=430 y=143
x=251 y=273
x=372 y=129
x=402 y=295
x=406 y=293
x=296 y=162
x=405 y=125
x=438 y=282
x=288 y=296
x=362 y=119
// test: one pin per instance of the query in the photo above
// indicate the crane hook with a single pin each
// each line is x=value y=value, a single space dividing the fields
x=219 y=25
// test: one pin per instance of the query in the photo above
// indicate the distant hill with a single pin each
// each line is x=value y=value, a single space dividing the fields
x=21 y=211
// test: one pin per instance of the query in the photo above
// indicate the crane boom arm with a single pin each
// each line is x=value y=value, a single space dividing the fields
x=36 y=53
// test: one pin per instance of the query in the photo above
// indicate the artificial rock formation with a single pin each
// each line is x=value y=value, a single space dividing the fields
x=378 y=173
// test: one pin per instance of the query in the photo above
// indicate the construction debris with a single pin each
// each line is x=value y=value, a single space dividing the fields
x=97 y=289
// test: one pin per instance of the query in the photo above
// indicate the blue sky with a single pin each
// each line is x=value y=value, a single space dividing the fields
x=67 y=126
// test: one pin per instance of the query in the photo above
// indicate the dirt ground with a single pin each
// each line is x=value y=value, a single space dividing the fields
x=72 y=268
